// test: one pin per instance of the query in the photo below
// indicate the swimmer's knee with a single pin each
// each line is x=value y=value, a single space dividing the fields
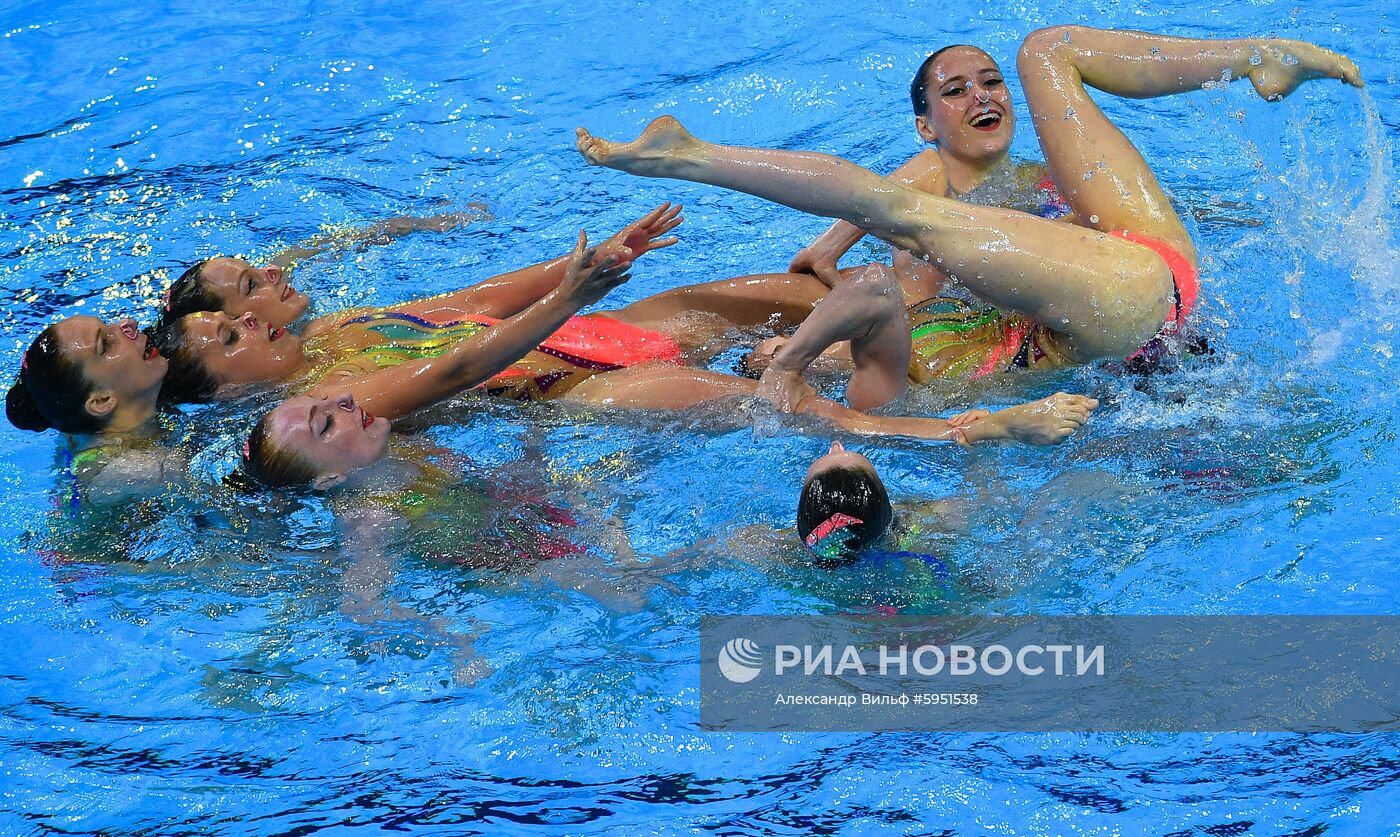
x=1045 y=47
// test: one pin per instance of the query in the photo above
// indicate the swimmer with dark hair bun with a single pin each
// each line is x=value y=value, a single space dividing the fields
x=844 y=508
x=84 y=376
x=98 y=382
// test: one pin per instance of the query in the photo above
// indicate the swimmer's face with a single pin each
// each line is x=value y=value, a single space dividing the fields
x=262 y=291
x=969 y=110
x=333 y=434
x=116 y=358
x=839 y=457
x=242 y=350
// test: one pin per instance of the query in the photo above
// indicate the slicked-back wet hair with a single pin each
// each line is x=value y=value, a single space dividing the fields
x=918 y=88
x=189 y=295
x=187 y=379
x=273 y=466
x=51 y=391
x=842 y=494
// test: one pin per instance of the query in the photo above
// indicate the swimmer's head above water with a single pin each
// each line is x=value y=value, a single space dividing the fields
x=844 y=507
x=213 y=355
x=235 y=287
x=314 y=442
x=961 y=103
x=81 y=375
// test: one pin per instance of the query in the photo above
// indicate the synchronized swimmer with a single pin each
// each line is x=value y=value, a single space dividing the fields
x=1090 y=262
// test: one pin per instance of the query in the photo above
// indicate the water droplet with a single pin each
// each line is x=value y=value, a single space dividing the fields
x=1066 y=36
x=1069 y=113
x=1093 y=219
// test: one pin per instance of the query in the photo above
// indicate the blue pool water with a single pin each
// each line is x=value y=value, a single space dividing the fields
x=199 y=662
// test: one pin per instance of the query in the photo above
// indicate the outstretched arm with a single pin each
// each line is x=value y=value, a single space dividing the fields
x=510 y=293
x=924 y=171
x=382 y=232
x=405 y=389
x=868 y=311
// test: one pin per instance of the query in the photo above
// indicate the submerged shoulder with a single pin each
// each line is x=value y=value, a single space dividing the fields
x=112 y=473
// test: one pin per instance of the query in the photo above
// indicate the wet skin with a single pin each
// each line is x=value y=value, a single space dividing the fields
x=970 y=113
x=334 y=434
x=242 y=350
x=838 y=457
x=262 y=291
x=124 y=369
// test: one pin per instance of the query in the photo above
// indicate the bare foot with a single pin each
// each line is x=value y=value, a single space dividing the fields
x=1048 y=421
x=664 y=142
x=1287 y=64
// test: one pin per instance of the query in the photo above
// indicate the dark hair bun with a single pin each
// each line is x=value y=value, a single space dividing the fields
x=859 y=499
x=22 y=411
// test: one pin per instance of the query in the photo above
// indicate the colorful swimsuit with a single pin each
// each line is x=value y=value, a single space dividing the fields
x=1186 y=288
x=952 y=338
x=580 y=348
x=1052 y=204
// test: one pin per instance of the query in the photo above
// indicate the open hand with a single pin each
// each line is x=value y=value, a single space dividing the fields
x=645 y=234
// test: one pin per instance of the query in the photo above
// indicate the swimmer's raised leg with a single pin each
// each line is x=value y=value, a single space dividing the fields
x=1142 y=65
x=1098 y=169
x=1106 y=295
x=867 y=310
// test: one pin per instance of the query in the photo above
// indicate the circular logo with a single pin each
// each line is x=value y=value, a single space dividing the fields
x=739 y=660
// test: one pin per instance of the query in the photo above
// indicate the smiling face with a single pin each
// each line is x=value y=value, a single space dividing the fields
x=968 y=112
x=242 y=350
x=333 y=435
x=123 y=368
x=261 y=291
